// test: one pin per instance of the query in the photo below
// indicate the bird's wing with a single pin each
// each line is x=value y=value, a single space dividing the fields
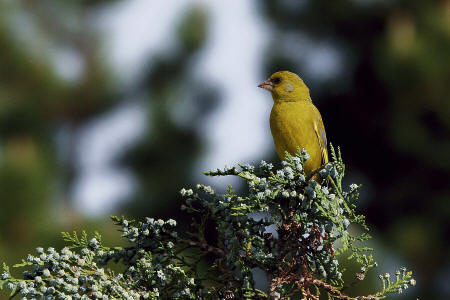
x=319 y=129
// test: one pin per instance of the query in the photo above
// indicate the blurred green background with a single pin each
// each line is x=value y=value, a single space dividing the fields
x=111 y=107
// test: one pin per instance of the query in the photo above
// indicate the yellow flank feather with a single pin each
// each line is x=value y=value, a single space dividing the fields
x=294 y=120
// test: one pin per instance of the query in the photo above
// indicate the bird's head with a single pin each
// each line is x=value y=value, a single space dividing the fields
x=286 y=86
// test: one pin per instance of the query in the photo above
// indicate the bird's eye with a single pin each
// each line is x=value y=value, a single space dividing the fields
x=276 y=80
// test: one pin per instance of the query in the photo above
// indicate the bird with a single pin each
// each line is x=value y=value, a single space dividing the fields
x=295 y=122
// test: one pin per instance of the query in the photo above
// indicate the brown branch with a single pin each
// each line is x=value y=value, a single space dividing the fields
x=337 y=293
x=205 y=246
x=305 y=280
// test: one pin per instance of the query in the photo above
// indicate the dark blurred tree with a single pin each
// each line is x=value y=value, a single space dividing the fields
x=387 y=97
x=37 y=100
x=178 y=101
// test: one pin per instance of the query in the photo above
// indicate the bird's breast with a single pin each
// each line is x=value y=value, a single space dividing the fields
x=292 y=127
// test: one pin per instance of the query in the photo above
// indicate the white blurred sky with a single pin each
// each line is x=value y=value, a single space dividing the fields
x=237 y=131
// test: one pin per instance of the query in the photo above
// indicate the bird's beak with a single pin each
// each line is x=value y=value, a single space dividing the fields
x=267 y=85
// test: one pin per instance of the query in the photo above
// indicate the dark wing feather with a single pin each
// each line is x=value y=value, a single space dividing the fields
x=321 y=137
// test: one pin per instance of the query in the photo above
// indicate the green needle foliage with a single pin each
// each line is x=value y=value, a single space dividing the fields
x=294 y=228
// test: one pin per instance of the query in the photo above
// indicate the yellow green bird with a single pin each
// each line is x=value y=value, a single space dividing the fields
x=294 y=120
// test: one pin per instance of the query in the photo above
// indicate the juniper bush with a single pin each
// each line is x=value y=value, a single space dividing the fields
x=300 y=257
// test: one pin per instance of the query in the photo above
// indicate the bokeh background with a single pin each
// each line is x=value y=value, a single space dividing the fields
x=111 y=107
